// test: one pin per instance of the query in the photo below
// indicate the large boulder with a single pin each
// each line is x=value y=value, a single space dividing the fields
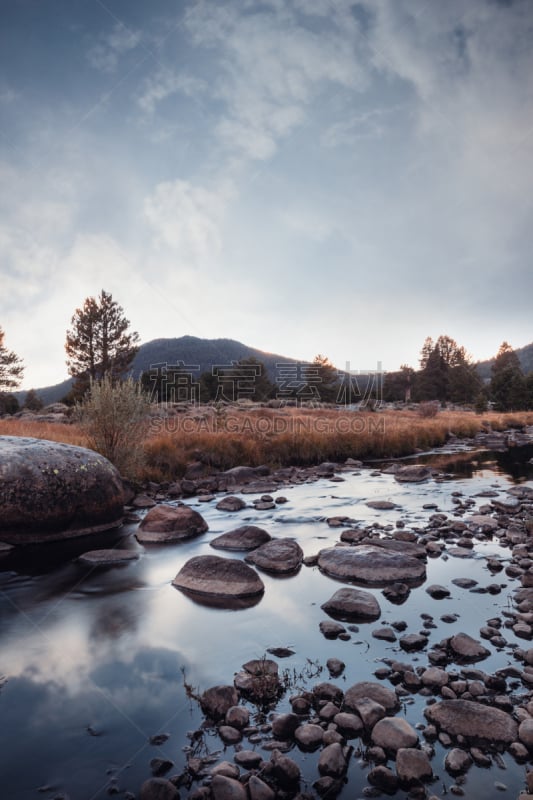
x=277 y=556
x=354 y=605
x=412 y=473
x=373 y=691
x=164 y=524
x=474 y=721
x=223 y=578
x=51 y=491
x=371 y=565
x=247 y=537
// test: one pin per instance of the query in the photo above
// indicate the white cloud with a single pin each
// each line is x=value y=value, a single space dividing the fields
x=105 y=53
x=166 y=83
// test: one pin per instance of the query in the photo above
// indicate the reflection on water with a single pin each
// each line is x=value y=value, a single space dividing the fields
x=95 y=660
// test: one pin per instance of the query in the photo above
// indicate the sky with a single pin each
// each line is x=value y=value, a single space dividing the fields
x=343 y=177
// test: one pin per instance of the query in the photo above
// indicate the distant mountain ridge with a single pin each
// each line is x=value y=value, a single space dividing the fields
x=194 y=352
x=525 y=355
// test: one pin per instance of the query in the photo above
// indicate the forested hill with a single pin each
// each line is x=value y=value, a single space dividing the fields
x=191 y=350
x=525 y=355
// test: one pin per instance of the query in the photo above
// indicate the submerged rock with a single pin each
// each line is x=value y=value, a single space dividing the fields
x=51 y=491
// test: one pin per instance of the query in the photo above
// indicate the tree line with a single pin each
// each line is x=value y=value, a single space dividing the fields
x=100 y=342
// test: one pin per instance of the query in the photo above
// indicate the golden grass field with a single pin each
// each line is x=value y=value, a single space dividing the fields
x=281 y=437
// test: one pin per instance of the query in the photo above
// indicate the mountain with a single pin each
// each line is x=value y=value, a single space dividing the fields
x=525 y=355
x=191 y=350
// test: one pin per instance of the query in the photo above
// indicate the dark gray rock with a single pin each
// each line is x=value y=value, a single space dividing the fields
x=51 y=491
x=393 y=733
x=474 y=721
x=467 y=649
x=332 y=761
x=354 y=605
x=216 y=701
x=413 y=766
x=164 y=524
x=413 y=473
x=279 y=556
x=375 y=691
x=107 y=558
x=219 y=577
x=371 y=565
x=247 y=537
x=309 y=736
x=231 y=503
x=223 y=788
x=158 y=789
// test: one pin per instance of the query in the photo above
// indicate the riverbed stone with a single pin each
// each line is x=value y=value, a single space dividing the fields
x=231 y=503
x=457 y=761
x=392 y=733
x=412 y=473
x=219 y=577
x=53 y=491
x=278 y=556
x=216 y=701
x=107 y=558
x=165 y=524
x=371 y=565
x=223 y=788
x=247 y=537
x=413 y=766
x=353 y=605
x=158 y=789
x=375 y=691
x=467 y=649
x=525 y=732
x=309 y=736
x=259 y=790
x=473 y=721
x=332 y=761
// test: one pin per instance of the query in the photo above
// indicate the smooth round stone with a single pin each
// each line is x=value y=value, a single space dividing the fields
x=165 y=524
x=52 y=491
x=107 y=558
x=219 y=577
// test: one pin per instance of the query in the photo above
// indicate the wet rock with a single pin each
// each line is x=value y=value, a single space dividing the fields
x=464 y=583
x=381 y=505
x=413 y=766
x=231 y=503
x=223 y=788
x=247 y=537
x=229 y=734
x=216 y=701
x=413 y=642
x=309 y=736
x=54 y=491
x=437 y=592
x=397 y=593
x=225 y=768
x=237 y=717
x=435 y=677
x=331 y=630
x=278 y=556
x=473 y=720
x=370 y=564
x=370 y=711
x=375 y=691
x=457 y=761
x=218 y=577
x=350 y=725
x=259 y=790
x=354 y=605
x=285 y=771
x=248 y=759
x=384 y=778
x=165 y=523
x=332 y=761
x=158 y=789
x=413 y=473
x=384 y=634
x=108 y=558
x=160 y=766
x=465 y=648
x=328 y=692
x=143 y=501
x=259 y=680
x=393 y=733
x=284 y=725
x=525 y=732
x=335 y=667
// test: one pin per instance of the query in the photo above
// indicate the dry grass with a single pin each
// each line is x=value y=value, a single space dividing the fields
x=288 y=436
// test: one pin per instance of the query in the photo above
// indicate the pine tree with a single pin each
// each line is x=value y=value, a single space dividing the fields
x=11 y=366
x=99 y=341
x=32 y=401
x=508 y=388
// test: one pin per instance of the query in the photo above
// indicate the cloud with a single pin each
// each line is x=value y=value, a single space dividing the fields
x=166 y=83
x=104 y=55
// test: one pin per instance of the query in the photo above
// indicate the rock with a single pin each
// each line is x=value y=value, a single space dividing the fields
x=393 y=733
x=218 y=577
x=278 y=556
x=158 y=789
x=397 y=593
x=259 y=790
x=243 y=474
x=525 y=732
x=160 y=765
x=354 y=605
x=369 y=711
x=143 y=501
x=473 y=720
x=437 y=592
x=309 y=736
x=435 y=677
x=413 y=642
x=467 y=649
x=225 y=768
x=216 y=701
x=331 y=630
x=237 y=717
x=384 y=778
x=231 y=503
x=229 y=734
x=285 y=771
x=259 y=680
x=457 y=761
x=413 y=473
x=332 y=761
x=248 y=759
x=375 y=691
x=165 y=523
x=223 y=788
x=284 y=725
x=372 y=565
x=335 y=667
x=350 y=725
x=247 y=537
x=107 y=558
x=52 y=491
x=483 y=522
x=381 y=505
x=384 y=634
x=413 y=766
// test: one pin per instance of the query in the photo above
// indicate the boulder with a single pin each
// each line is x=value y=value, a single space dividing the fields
x=259 y=790
x=217 y=701
x=309 y=736
x=465 y=648
x=158 y=789
x=374 y=691
x=218 y=577
x=278 y=556
x=457 y=761
x=332 y=761
x=223 y=788
x=412 y=473
x=353 y=605
x=393 y=733
x=52 y=491
x=231 y=503
x=247 y=537
x=413 y=766
x=164 y=524
x=525 y=732
x=473 y=721
x=371 y=565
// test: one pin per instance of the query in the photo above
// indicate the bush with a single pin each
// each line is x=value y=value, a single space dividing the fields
x=113 y=417
x=428 y=409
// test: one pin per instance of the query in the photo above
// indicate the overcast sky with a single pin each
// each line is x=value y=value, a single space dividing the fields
x=304 y=176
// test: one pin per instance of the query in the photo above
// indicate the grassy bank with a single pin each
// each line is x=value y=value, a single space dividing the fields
x=282 y=437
